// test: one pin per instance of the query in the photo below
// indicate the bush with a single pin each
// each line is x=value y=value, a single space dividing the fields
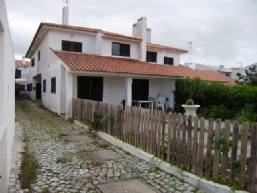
x=98 y=120
x=216 y=112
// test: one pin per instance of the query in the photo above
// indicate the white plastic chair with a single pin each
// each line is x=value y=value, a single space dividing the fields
x=160 y=103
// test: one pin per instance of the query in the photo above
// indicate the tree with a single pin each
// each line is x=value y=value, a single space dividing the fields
x=250 y=76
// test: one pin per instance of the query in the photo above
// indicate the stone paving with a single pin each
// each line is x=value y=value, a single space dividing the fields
x=51 y=139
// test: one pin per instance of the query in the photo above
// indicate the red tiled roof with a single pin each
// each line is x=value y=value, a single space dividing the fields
x=157 y=46
x=95 y=63
x=19 y=63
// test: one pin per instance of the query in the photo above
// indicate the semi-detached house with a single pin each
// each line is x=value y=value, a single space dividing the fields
x=78 y=62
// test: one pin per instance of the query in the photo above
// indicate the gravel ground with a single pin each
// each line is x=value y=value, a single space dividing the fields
x=47 y=141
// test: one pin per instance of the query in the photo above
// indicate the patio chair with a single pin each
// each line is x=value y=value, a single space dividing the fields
x=160 y=103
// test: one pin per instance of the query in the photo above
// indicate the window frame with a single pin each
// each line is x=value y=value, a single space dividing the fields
x=33 y=62
x=38 y=55
x=167 y=59
x=44 y=86
x=53 y=84
x=123 y=50
x=72 y=46
x=151 y=56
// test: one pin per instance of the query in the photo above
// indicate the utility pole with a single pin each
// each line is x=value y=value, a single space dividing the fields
x=190 y=43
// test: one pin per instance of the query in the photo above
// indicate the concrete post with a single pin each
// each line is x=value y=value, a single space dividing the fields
x=69 y=94
x=128 y=86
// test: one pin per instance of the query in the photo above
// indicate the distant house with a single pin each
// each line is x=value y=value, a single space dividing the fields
x=21 y=75
x=220 y=69
x=78 y=62
x=7 y=113
x=241 y=70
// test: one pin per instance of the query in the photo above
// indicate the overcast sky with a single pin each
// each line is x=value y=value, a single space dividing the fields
x=222 y=32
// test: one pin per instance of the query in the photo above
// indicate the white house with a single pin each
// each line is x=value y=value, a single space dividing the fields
x=241 y=71
x=22 y=69
x=78 y=62
x=7 y=115
x=220 y=69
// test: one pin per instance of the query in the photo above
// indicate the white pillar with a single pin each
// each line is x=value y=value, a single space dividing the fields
x=128 y=86
x=65 y=16
x=69 y=95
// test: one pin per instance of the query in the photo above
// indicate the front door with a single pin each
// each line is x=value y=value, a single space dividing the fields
x=38 y=91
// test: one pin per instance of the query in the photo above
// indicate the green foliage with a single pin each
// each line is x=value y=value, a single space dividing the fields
x=64 y=159
x=222 y=144
x=250 y=76
x=206 y=95
x=189 y=102
x=249 y=115
x=98 y=120
x=216 y=112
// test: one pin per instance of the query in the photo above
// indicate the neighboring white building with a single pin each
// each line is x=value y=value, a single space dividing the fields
x=7 y=112
x=22 y=69
x=220 y=69
x=241 y=71
x=78 y=62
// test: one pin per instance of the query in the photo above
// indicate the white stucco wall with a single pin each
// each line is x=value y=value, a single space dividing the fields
x=162 y=54
x=163 y=88
x=88 y=40
x=114 y=90
x=7 y=105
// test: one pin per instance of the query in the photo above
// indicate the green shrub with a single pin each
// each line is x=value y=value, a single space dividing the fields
x=64 y=159
x=98 y=120
x=216 y=112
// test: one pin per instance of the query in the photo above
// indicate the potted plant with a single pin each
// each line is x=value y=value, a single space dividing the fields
x=190 y=107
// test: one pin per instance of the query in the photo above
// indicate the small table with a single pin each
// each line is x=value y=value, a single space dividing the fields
x=140 y=102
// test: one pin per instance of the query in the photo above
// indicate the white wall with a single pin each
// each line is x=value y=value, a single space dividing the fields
x=88 y=40
x=164 y=88
x=7 y=87
x=162 y=54
x=114 y=90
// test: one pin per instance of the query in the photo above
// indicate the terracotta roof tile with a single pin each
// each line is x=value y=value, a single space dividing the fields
x=95 y=63
x=19 y=63
x=157 y=46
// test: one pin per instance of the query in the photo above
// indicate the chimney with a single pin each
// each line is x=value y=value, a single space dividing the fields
x=65 y=16
x=148 y=35
x=23 y=60
x=140 y=31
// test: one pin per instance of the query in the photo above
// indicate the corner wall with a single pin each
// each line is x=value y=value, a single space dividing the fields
x=7 y=103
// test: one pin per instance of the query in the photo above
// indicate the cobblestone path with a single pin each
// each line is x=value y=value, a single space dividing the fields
x=47 y=132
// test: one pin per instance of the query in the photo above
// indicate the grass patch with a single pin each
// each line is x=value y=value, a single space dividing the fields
x=154 y=169
x=61 y=135
x=29 y=166
x=101 y=145
x=64 y=159
x=127 y=153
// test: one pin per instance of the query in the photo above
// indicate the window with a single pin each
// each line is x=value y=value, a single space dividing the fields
x=44 y=85
x=17 y=73
x=168 y=60
x=29 y=87
x=53 y=85
x=32 y=62
x=38 y=56
x=151 y=56
x=90 y=88
x=71 y=46
x=119 y=49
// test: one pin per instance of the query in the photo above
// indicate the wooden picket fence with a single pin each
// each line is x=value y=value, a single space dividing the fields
x=226 y=153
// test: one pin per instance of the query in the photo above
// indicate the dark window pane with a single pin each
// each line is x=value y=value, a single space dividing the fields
x=44 y=85
x=33 y=62
x=77 y=47
x=125 y=50
x=71 y=46
x=18 y=74
x=115 y=49
x=151 y=56
x=53 y=85
x=168 y=60
x=66 y=45
x=38 y=55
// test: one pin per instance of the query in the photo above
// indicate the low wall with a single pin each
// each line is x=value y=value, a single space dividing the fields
x=3 y=159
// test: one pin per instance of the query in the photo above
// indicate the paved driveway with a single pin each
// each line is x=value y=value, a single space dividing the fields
x=93 y=162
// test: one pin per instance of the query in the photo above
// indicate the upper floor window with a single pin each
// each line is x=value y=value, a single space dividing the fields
x=38 y=56
x=29 y=87
x=32 y=62
x=44 y=85
x=71 y=46
x=151 y=56
x=53 y=85
x=17 y=73
x=119 y=49
x=168 y=60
